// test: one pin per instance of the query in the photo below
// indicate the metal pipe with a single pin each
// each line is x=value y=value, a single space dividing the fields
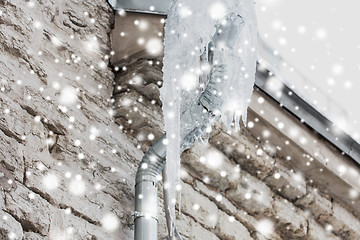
x=204 y=113
x=150 y=168
x=146 y=191
x=149 y=173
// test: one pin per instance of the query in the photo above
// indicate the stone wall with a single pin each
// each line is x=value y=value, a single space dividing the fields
x=249 y=194
x=67 y=168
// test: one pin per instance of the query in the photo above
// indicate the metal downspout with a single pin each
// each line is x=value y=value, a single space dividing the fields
x=151 y=166
x=150 y=170
x=146 y=186
x=146 y=191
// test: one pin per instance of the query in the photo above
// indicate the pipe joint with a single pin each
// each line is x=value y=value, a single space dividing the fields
x=150 y=167
x=145 y=215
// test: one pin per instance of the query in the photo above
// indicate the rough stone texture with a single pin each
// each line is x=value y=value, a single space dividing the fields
x=230 y=230
x=51 y=186
x=64 y=171
x=207 y=211
x=316 y=231
x=246 y=188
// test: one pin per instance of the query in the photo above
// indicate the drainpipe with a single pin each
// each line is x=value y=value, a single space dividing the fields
x=149 y=173
x=152 y=164
x=205 y=113
x=146 y=191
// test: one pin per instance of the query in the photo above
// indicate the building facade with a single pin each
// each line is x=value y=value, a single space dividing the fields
x=74 y=127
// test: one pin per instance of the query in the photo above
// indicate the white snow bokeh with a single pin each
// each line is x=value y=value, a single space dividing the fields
x=77 y=186
x=37 y=24
x=56 y=41
x=212 y=219
x=213 y=159
x=189 y=81
x=110 y=222
x=50 y=181
x=68 y=96
x=12 y=236
x=275 y=86
x=320 y=60
x=353 y=194
x=58 y=229
x=154 y=46
x=265 y=227
x=218 y=10
x=61 y=234
x=91 y=44
x=94 y=133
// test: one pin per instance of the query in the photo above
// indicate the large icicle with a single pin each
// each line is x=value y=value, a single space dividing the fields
x=191 y=27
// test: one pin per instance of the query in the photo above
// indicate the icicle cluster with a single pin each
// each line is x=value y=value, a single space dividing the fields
x=190 y=26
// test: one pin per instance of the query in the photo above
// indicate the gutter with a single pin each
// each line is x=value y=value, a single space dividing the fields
x=158 y=7
x=298 y=107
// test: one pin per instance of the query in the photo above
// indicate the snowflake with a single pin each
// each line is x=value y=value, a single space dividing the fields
x=110 y=222
x=265 y=227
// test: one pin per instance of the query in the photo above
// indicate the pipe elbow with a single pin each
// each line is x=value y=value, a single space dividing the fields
x=152 y=163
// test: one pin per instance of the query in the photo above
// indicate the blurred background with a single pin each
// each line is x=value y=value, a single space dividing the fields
x=316 y=50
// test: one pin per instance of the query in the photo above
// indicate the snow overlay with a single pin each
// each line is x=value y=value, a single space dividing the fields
x=210 y=49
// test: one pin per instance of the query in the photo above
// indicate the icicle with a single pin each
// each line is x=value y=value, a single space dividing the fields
x=179 y=194
x=191 y=26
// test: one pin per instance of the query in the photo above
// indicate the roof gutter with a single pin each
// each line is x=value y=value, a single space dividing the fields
x=296 y=105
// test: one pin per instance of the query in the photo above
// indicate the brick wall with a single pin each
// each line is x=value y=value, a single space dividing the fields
x=68 y=154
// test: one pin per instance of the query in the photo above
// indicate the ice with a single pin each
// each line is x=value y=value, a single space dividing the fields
x=199 y=32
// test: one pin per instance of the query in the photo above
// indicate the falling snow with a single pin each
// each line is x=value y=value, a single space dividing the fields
x=265 y=227
x=189 y=28
x=68 y=96
x=50 y=181
x=110 y=222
